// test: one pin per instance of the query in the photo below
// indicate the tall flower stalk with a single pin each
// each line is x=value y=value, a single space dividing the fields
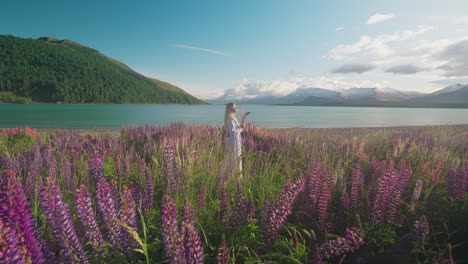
x=61 y=223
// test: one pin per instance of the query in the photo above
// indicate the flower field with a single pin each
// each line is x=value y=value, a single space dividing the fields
x=165 y=194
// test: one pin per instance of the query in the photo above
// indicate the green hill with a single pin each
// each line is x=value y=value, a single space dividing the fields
x=49 y=70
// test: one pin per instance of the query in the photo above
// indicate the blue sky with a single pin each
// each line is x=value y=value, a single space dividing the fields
x=254 y=47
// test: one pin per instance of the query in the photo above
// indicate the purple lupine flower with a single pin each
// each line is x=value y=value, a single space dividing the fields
x=202 y=197
x=65 y=168
x=323 y=203
x=137 y=194
x=414 y=238
x=170 y=230
x=279 y=211
x=148 y=197
x=10 y=247
x=169 y=173
x=352 y=240
x=96 y=168
x=222 y=257
x=88 y=221
x=239 y=214
x=128 y=216
x=61 y=223
x=223 y=206
x=382 y=195
x=192 y=243
x=355 y=182
x=251 y=213
x=395 y=196
x=108 y=209
x=15 y=213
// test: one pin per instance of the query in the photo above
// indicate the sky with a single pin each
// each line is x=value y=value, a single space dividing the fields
x=245 y=48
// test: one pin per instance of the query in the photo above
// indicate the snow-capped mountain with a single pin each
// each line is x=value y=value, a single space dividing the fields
x=451 y=96
x=451 y=88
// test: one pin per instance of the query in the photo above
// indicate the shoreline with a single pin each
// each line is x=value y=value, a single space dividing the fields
x=116 y=130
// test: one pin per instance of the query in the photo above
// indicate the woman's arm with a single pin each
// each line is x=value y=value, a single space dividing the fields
x=243 y=119
x=233 y=127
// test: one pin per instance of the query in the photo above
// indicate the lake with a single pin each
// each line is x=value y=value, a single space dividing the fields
x=116 y=116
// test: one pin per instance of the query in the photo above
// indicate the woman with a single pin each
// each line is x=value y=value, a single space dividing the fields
x=234 y=139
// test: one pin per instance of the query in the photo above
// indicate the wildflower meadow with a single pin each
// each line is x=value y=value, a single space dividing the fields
x=165 y=194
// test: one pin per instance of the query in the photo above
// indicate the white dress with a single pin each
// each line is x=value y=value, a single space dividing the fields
x=233 y=145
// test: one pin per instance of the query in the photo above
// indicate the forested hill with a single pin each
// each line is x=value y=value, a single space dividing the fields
x=62 y=71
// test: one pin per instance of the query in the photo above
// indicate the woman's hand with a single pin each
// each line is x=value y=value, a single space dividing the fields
x=243 y=119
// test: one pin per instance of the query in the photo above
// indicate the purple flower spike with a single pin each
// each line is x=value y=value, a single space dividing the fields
x=10 y=248
x=279 y=211
x=128 y=216
x=85 y=211
x=60 y=221
x=108 y=209
x=192 y=244
x=353 y=239
x=15 y=213
x=239 y=214
x=170 y=230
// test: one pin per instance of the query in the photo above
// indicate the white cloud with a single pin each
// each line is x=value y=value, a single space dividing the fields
x=339 y=28
x=249 y=88
x=377 y=46
x=201 y=49
x=377 y=18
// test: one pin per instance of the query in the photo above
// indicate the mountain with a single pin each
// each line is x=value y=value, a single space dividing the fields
x=49 y=70
x=455 y=96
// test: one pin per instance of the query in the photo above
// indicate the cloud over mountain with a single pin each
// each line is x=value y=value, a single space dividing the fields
x=354 y=68
x=405 y=69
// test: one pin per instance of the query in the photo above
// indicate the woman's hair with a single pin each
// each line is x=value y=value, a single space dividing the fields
x=228 y=114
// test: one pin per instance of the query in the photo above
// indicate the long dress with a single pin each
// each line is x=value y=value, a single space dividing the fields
x=233 y=146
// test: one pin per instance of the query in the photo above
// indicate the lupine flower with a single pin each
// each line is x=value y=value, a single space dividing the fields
x=169 y=171
x=239 y=214
x=11 y=250
x=108 y=209
x=170 y=230
x=149 y=192
x=352 y=240
x=128 y=215
x=279 y=211
x=355 y=182
x=323 y=203
x=61 y=223
x=251 y=213
x=222 y=257
x=192 y=244
x=15 y=213
x=412 y=239
x=88 y=221
x=382 y=196
x=397 y=192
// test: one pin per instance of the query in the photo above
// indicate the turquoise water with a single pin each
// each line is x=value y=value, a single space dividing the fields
x=116 y=116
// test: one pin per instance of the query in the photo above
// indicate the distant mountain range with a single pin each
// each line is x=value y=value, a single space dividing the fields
x=49 y=70
x=454 y=96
